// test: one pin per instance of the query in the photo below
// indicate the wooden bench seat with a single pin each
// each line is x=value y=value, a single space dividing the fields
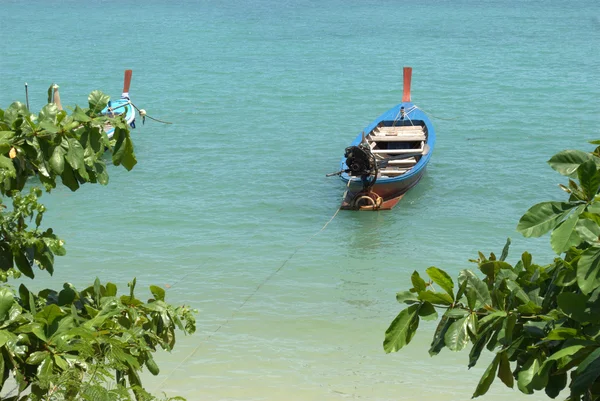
x=404 y=129
x=414 y=152
x=398 y=138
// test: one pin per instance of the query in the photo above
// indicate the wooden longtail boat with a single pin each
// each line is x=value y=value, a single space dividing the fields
x=389 y=157
x=121 y=106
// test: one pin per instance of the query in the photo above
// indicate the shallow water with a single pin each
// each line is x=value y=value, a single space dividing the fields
x=264 y=96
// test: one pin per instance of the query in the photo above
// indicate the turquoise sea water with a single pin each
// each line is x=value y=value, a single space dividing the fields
x=264 y=95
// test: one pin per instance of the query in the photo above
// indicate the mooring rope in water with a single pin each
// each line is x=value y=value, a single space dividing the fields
x=143 y=114
x=269 y=277
x=437 y=118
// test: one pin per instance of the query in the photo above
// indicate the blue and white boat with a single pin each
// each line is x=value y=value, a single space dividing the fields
x=389 y=157
x=121 y=106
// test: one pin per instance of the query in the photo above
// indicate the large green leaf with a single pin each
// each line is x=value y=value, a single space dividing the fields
x=594 y=207
x=6 y=136
x=111 y=290
x=402 y=329
x=562 y=333
x=49 y=314
x=159 y=293
x=489 y=322
x=487 y=378
x=48 y=113
x=7 y=300
x=492 y=267
x=477 y=348
x=417 y=282
x=567 y=162
x=97 y=101
x=574 y=305
x=589 y=179
x=565 y=236
x=588 y=227
x=101 y=172
x=527 y=373
x=6 y=336
x=93 y=139
x=428 y=312
x=57 y=160
x=66 y=296
x=529 y=308
x=438 y=337
x=504 y=372
x=542 y=376
x=517 y=290
x=457 y=337
x=7 y=167
x=588 y=270
x=556 y=385
x=442 y=279
x=479 y=289
x=75 y=154
x=50 y=127
x=473 y=324
x=456 y=313
x=526 y=259
x=123 y=151
x=436 y=298
x=587 y=373
x=37 y=357
x=44 y=371
x=543 y=217
x=407 y=297
x=23 y=263
x=69 y=179
x=6 y=257
x=506 y=335
x=79 y=115
x=567 y=351
x=504 y=254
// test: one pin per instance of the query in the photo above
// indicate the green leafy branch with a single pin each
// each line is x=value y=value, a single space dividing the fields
x=55 y=144
x=541 y=322
x=70 y=344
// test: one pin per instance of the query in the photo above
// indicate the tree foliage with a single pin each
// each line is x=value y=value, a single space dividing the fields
x=69 y=344
x=542 y=322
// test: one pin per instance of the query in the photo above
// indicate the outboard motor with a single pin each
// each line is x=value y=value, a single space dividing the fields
x=360 y=161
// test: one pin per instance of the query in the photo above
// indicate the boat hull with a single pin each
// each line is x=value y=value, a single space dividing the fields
x=390 y=193
x=121 y=106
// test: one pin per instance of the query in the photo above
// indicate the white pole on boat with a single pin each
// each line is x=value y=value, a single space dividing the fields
x=26 y=96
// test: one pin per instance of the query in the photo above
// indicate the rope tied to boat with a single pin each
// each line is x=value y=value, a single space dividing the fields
x=403 y=113
x=436 y=117
x=366 y=201
x=143 y=114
